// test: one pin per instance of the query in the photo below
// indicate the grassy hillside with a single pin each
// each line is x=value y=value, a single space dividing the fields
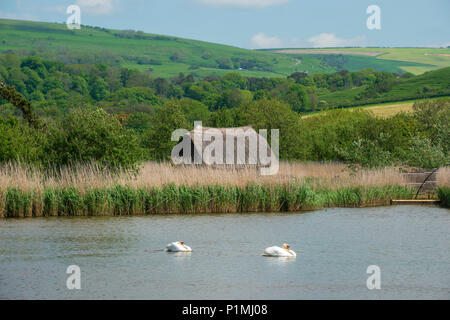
x=167 y=56
x=355 y=63
x=414 y=60
x=429 y=84
x=164 y=55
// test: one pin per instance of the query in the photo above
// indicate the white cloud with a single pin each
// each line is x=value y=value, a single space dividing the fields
x=261 y=40
x=96 y=7
x=243 y=3
x=330 y=40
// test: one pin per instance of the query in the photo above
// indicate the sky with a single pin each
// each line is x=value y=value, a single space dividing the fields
x=259 y=23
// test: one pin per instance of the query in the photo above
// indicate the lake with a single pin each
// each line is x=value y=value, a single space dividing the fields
x=118 y=256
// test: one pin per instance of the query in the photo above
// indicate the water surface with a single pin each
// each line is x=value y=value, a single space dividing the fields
x=334 y=247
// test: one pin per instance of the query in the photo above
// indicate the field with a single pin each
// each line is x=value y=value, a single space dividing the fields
x=414 y=60
x=383 y=110
x=390 y=109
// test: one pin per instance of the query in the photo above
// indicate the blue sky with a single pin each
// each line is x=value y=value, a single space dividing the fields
x=258 y=23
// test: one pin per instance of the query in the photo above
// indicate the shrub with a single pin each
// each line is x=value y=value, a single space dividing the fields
x=89 y=134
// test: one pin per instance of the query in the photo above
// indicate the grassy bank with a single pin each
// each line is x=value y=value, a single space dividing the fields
x=126 y=200
x=159 y=188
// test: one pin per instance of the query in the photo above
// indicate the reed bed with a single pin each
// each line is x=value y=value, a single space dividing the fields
x=444 y=196
x=159 y=188
x=152 y=174
x=125 y=200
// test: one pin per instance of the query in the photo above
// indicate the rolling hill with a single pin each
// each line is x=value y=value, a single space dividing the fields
x=414 y=60
x=166 y=56
x=430 y=84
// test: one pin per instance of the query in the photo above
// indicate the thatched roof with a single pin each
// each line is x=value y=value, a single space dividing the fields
x=240 y=145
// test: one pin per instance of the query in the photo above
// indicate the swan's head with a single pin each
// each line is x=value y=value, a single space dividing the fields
x=286 y=246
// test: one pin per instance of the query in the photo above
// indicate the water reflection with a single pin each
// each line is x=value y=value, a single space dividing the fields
x=180 y=255
x=279 y=261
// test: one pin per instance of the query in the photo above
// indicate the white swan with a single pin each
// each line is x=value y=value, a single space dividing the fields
x=177 y=247
x=284 y=251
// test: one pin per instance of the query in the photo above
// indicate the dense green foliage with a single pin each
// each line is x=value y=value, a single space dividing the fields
x=118 y=116
x=386 y=88
x=91 y=134
x=54 y=87
x=122 y=200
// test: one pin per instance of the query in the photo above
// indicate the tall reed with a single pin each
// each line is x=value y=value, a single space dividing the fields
x=444 y=196
x=160 y=188
x=125 y=200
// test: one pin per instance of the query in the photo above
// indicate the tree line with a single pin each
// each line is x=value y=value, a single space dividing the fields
x=119 y=117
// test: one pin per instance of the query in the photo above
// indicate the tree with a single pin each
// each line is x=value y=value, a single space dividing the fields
x=434 y=118
x=51 y=83
x=19 y=142
x=226 y=118
x=16 y=99
x=274 y=114
x=234 y=80
x=224 y=63
x=134 y=96
x=99 y=89
x=36 y=64
x=195 y=111
x=297 y=97
x=298 y=76
x=33 y=80
x=80 y=85
x=232 y=98
x=167 y=118
x=90 y=134
x=422 y=153
x=139 y=122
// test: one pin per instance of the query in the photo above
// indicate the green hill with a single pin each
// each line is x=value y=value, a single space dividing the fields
x=166 y=56
x=414 y=60
x=430 y=84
